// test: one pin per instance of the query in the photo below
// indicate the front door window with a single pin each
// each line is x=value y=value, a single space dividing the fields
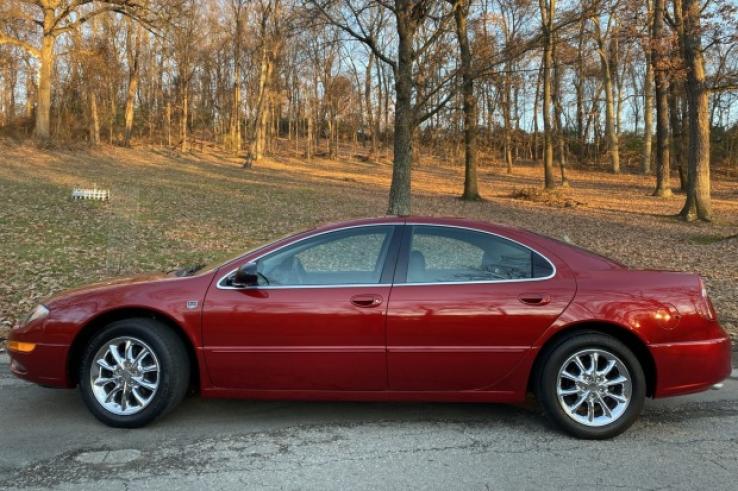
x=346 y=257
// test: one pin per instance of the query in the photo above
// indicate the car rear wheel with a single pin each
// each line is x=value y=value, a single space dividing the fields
x=591 y=385
x=133 y=371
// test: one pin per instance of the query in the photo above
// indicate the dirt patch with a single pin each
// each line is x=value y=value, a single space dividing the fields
x=557 y=198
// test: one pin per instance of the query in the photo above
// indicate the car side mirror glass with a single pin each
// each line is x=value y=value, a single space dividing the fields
x=246 y=275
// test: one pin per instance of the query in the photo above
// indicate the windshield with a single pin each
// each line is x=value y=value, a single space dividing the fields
x=199 y=266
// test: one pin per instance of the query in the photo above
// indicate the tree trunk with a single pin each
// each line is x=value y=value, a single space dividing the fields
x=235 y=124
x=559 y=130
x=547 y=12
x=380 y=97
x=471 y=188
x=534 y=141
x=386 y=78
x=111 y=116
x=130 y=100
x=261 y=116
x=507 y=118
x=43 y=106
x=678 y=144
x=94 y=121
x=579 y=80
x=400 y=194
x=332 y=133
x=606 y=67
x=613 y=145
x=698 y=204
x=683 y=143
x=678 y=159
x=663 y=177
x=184 y=144
x=647 y=113
x=310 y=139
x=9 y=81
x=134 y=55
x=370 y=115
x=168 y=112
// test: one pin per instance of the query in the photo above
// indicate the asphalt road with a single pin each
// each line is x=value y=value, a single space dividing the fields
x=48 y=440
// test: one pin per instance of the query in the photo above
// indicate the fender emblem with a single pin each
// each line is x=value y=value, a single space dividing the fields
x=191 y=304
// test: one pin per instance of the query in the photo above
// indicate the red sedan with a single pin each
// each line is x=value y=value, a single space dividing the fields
x=388 y=309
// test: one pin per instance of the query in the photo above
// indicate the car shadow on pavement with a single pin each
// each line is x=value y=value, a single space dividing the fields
x=65 y=411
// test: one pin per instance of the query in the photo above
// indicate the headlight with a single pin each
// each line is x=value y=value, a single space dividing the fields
x=38 y=313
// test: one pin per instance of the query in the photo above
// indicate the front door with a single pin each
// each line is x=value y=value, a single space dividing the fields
x=467 y=309
x=316 y=321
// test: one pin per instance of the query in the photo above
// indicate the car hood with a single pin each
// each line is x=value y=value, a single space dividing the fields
x=113 y=284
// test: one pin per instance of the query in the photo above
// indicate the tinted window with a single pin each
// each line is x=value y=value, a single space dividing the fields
x=353 y=256
x=450 y=255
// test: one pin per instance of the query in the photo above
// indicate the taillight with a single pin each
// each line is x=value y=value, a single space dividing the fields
x=705 y=307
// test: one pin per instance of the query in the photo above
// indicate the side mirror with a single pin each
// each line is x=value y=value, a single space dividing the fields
x=246 y=275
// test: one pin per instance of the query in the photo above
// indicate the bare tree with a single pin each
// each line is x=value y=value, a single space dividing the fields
x=659 y=49
x=698 y=204
x=134 y=33
x=548 y=10
x=469 y=100
x=647 y=95
x=270 y=47
x=605 y=38
x=185 y=37
x=56 y=18
x=412 y=100
x=238 y=11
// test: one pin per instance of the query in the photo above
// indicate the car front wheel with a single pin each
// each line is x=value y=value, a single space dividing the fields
x=133 y=371
x=592 y=386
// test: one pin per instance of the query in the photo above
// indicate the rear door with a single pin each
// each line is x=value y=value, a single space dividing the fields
x=466 y=307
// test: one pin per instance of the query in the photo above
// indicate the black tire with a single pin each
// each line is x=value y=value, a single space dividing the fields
x=173 y=377
x=547 y=382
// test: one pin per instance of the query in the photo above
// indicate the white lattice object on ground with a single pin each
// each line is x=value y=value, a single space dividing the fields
x=94 y=193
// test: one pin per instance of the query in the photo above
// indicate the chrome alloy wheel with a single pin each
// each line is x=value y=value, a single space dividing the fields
x=124 y=375
x=594 y=387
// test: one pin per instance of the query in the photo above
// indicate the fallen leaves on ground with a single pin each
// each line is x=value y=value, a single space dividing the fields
x=558 y=197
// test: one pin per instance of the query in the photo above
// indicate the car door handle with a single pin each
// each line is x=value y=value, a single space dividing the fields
x=366 y=300
x=534 y=298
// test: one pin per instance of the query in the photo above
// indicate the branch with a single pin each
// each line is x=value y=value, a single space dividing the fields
x=368 y=40
x=71 y=26
x=440 y=85
x=32 y=50
x=129 y=8
x=669 y=19
x=428 y=114
x=440 y=30
x=723 y=88
x=534 y=42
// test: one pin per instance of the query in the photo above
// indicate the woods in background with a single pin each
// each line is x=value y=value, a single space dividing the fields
x=643 y=86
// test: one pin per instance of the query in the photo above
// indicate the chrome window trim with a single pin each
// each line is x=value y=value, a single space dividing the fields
x=299 y=287
x=221 y=286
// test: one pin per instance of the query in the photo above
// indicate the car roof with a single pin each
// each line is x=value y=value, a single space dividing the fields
x=422 y=220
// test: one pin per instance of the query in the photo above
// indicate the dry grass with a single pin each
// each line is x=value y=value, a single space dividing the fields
x=170 y=210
